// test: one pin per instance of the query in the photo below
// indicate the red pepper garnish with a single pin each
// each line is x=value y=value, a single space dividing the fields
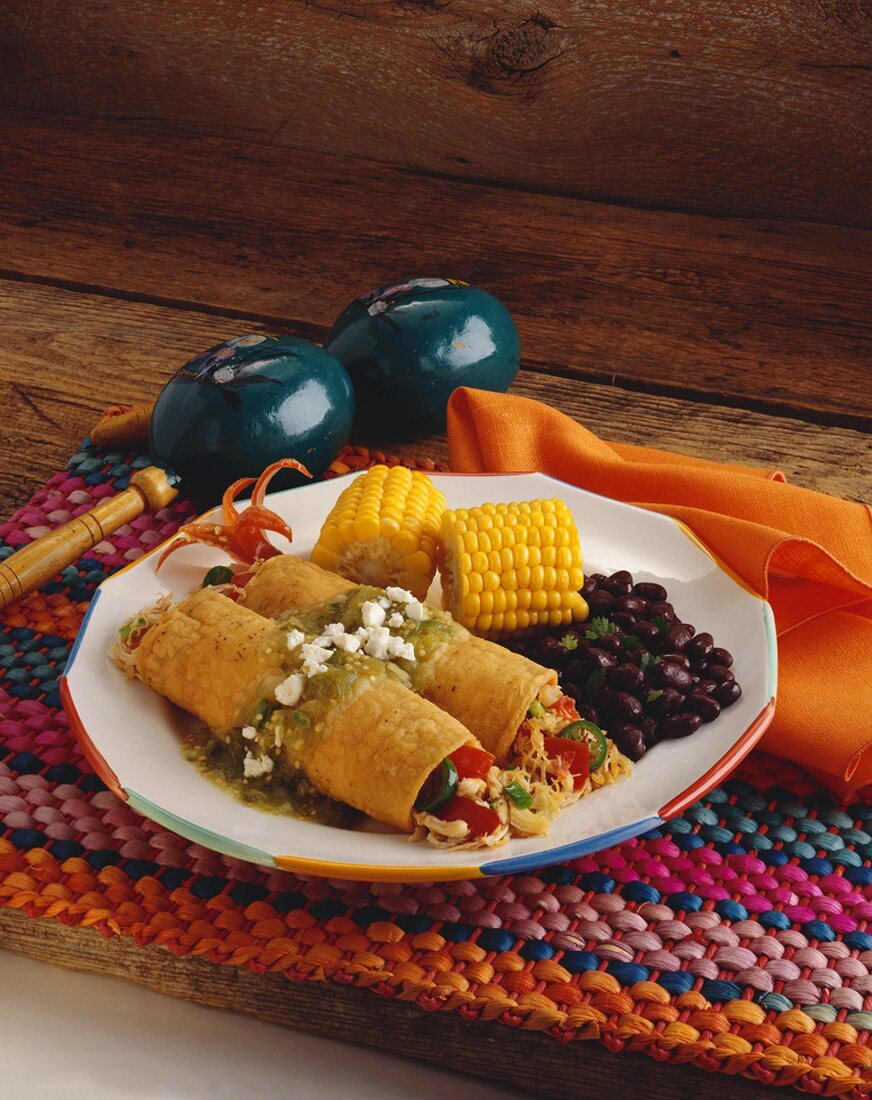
x=481 y=820
x=242 y=535
x=565 y=708
x=471 y=763
x=575 y=756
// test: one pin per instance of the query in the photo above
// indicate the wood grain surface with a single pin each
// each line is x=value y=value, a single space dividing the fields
x=759 y=108
x=125 y=251
x=53 y=339
x=767 y=315
x=536 y=1064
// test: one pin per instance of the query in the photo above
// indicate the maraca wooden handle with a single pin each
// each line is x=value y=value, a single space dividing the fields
x=40 y=561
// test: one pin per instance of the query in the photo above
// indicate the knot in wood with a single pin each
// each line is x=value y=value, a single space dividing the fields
x=511 y=54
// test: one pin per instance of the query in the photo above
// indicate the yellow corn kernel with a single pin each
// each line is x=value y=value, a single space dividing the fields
x=511 y=567
x=384 y=530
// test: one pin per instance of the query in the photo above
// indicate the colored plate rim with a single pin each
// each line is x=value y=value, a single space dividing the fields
x=302 y=864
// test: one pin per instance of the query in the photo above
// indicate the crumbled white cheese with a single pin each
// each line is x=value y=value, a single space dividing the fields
x=255 y=766
x=396 y=620
x=415 y=611
x=277 y=737
x=348 y=643
x=249 y=733
x=289 y=691
x=398 y=648
x=384 y=602
x=323 y=640
x=295 y=638
x=333 y=630
x=399 y=595
x=377 y=640
x=314 y=653
x=372 y=614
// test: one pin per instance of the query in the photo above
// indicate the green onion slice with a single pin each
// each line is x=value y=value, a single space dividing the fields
x=536 y=709
x=260 y=713
x=583 y=730
x=439 y=788
x=218 y=574
x=519 y=795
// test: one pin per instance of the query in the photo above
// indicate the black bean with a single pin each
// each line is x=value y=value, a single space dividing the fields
x=588 y=711
x=721 y=657
x=707 y=707
x=589 y=587
x=629 y=739
x=625 y=677
x=600 y=603
x=681 y=725
x=597 y=579
x=727 y=693
x=676 y=658
x=645 y=631
x=656 y=593
x=600 y=658
x=671 y=674
x=626 y=706
x=691 y=628
x=611 y=643
x=663 y=609
x=635 y=604
x=624 y=620
x=605 y=701
x=718 y=674
x=667 y=703
x=578 y=671
x=574 y=691
x=619 y=584
x=650 y=731
x=700 y=646
x=678 y=636
x=706 y=686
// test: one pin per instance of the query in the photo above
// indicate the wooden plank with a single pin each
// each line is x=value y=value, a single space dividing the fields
x=535 y=1063
x=768 y=315
x=68 y=355
x=751 y=108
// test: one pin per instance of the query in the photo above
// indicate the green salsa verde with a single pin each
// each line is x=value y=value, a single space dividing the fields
x=282 y=733
x=284 y=791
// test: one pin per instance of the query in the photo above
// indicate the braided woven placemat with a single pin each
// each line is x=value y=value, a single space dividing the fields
x=737 y=937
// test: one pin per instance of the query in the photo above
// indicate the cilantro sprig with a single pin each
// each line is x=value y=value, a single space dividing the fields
x=600 y=627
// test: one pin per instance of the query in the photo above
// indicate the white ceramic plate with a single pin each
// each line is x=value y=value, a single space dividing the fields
x=132 y=736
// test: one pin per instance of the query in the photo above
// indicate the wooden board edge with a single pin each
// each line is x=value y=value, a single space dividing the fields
x=535 y=1064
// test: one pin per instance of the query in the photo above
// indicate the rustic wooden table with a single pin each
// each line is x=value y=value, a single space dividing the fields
x=125 y=251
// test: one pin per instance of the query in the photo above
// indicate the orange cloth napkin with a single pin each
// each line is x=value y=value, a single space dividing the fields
x=809 y=554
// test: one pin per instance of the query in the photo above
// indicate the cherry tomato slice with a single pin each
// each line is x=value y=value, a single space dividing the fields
x=575 y=756
x=471 y=763
x=480 y=819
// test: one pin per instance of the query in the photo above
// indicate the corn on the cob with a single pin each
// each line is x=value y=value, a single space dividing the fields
x=510 y=567
x=383 y=530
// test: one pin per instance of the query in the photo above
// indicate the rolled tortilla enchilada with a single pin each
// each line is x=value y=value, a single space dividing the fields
x=486 y=687
x=367 y=741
